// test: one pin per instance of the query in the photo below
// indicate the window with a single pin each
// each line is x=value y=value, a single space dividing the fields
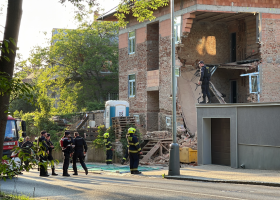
x=254 y=83
x=168 y=121
x=177 y=71
x=131 y=42
x=131 y=85
x=177 y=29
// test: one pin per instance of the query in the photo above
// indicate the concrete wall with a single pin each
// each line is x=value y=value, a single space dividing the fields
x=254 y=133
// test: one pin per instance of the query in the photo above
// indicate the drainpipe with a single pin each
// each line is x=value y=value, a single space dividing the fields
x=174 y=162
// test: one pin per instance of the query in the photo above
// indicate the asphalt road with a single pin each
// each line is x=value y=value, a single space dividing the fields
x=105 y=186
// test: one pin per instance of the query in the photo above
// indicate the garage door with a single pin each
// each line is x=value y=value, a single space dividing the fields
x=220 y=141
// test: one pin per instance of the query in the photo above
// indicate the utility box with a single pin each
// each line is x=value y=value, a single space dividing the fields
x=115 y=108
x=188 y=155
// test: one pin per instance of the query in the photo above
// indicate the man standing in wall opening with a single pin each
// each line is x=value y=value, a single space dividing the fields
x=205 y=76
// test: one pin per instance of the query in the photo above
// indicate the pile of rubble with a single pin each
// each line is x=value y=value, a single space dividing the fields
x=157 y=135
x=184 y=139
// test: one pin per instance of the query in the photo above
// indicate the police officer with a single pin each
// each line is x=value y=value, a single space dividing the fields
x=80 y=151
x=205 y=75
x=67 y=151
x=109 y=150
x=45 y=151
x=125 y=155
x=134 y=151
x=50 y=157
x=26 y=148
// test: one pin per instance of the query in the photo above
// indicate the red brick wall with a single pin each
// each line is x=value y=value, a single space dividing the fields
x=153 y=46
x=252 y=46
x=270 y=67
x=141 y=35
x=123 y=40
x=242 y=3
x=165 y=28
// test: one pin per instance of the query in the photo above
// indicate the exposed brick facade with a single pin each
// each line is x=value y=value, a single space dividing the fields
x=270 y=68
x=208 y=41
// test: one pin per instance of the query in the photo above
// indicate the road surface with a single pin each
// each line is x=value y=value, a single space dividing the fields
x=106 y=186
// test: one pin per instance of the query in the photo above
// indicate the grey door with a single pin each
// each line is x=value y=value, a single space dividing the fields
x=220 y=141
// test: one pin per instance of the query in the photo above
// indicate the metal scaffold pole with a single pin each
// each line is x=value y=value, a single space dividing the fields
x=174 y=162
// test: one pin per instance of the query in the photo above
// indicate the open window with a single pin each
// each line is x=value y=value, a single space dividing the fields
x=254 y=82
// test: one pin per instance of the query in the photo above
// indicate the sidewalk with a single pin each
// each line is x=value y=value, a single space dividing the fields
x=209 y=173
x=224 y=174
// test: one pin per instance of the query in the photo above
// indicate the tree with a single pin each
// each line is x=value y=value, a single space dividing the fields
x=84 y=60
x=14 y=13
x=142 y=10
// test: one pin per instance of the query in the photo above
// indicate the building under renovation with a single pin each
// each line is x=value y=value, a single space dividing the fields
x=239 y=40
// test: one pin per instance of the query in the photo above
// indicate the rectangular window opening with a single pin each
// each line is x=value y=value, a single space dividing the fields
x=131 y=85
x=131 y=42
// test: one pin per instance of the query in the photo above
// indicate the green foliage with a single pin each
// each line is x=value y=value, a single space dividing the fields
x=5 y=48
x=10 y=168
x=99 y=142
x=16 y=87
x=142 y=10
x=90 y=106
x=5 y=196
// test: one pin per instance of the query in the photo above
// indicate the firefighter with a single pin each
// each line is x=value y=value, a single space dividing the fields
x=50 y=157
x=125 y=155
x=20 y=141
x=80 y=151
x=26 y=148
x=44 y=148
x=205 y=76
x=134 y=151
x=109 y=150
x=67 y=151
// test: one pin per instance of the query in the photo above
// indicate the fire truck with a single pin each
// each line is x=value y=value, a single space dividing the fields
x=12 y=134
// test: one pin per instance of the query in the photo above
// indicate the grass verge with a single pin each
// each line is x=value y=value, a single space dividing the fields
x=4 y=196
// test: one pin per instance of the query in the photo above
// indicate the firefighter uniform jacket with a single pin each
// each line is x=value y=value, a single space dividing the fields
x=67 y=147
x=133 y=144
x=108 y=144
x=43 y=144
x=205 y=73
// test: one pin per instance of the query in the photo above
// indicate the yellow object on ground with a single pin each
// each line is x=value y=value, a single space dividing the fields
x=188 y=155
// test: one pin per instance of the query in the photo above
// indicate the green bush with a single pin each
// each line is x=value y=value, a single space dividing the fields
x=90 y=106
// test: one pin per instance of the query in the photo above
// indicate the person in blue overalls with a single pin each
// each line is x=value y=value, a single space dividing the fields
x=134 y=150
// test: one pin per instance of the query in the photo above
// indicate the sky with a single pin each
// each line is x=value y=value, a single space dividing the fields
x=41 y=16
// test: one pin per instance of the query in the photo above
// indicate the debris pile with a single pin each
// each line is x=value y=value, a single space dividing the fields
x=184 y=139
x=157 y=135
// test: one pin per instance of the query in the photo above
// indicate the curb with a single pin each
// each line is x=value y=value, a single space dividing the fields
x=192 y=178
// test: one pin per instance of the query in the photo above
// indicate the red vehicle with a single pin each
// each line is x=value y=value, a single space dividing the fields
x=12 y=135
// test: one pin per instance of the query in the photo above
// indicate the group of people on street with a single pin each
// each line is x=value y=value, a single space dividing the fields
x=77 y=149
x=73 y=147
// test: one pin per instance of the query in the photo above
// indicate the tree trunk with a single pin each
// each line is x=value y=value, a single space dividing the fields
x=14 y=12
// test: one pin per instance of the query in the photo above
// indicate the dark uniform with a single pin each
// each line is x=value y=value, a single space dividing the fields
x=80 y=148
x=109 y=151
x=205 y=75
x=43 y=157
x=50 y=157
x=26 y=148
x=125 y=155
x=67 y=150
x=134 y=150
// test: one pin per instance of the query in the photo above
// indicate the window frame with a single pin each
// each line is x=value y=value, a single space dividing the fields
x=177 y=29
x=132 y=38
x=129 y=86
x=250 y=82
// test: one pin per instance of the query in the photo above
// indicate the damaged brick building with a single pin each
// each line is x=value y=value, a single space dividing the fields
x=240 y=40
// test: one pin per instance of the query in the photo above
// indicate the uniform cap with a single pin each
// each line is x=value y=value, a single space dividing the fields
x=48 y=135
x=201 y=62
x=66 y=133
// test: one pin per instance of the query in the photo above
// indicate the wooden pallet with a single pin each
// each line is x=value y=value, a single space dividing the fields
x=119 y=124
